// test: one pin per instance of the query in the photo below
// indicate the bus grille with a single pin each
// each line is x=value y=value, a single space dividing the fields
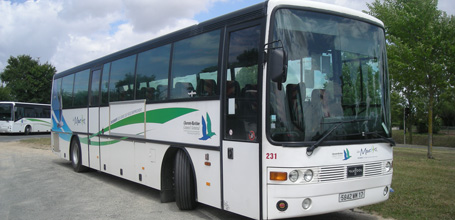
x=373 y=169
x=334 y=173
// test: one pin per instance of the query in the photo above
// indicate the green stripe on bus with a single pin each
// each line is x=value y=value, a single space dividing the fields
x=38 y=120
x=158 y=116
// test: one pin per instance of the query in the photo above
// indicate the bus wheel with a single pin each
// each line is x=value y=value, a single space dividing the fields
x=76 y=156
x=185 y=192
x=27 y=130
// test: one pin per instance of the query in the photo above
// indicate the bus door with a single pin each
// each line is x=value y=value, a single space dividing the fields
x=93 y=119
x=240 y=147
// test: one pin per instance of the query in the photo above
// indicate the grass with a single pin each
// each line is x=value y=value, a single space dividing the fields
x=424 y=189
x=440 y=140
x=38 y=142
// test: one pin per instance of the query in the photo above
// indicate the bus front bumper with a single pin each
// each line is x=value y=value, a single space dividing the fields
x=287 y=201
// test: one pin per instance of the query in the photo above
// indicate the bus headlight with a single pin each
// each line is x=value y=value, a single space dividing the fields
x=294 y=175
x=388 y=167
x=308 y=175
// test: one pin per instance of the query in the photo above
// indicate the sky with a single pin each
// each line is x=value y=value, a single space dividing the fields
x=67 y=33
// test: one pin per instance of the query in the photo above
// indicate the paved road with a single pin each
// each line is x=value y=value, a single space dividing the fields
x=35 y=184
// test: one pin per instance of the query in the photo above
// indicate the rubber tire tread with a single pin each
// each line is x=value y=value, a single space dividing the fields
x=27 y=130
x=185 y=193
x=77 y=167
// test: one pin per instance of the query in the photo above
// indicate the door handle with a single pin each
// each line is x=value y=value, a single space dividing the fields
x=231 y=153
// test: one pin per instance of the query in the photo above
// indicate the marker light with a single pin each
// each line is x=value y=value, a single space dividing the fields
x=308 y=175
x=306 y=203
x=386 y=190
x=278 y=176
x=294 y=175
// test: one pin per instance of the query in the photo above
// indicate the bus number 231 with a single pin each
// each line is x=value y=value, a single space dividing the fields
x=270 y=156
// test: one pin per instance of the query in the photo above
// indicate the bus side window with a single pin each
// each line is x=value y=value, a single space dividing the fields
x=81 y=80
x=121 y=81
x=67 y=91
x=105 y=84
x=195 y=66
x=152 y=73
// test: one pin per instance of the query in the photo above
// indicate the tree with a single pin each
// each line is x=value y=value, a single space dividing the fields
x=5 y=94
x=28 y=80
x=421 y=50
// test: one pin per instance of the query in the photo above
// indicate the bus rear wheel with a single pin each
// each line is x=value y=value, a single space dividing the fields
x=76 y=156
x=185 y=190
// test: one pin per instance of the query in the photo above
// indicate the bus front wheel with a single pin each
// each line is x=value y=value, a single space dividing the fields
x=185 y=191
x=27 y=130
x=76 y=156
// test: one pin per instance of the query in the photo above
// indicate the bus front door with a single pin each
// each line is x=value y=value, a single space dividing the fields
x=240 y=147
x=94 y=119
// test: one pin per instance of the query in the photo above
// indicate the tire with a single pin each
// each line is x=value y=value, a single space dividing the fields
x=27 y=130
x=76 y=156
x=185 y=190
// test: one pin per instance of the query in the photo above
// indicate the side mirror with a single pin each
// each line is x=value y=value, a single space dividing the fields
x=277 y=65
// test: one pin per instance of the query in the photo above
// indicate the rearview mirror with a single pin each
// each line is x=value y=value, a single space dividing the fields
x=277 y=65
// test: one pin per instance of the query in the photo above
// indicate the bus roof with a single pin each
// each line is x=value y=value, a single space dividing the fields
x=325 y=7
x=249 y=13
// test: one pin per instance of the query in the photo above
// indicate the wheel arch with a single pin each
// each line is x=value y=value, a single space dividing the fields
x=167 y=192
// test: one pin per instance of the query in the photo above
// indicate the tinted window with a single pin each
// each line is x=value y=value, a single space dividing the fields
x=152 y=74
x=121 y=85
x=195 y=66
x=95 y=88
x=242 y=84
x=81 y=89
x=56 y=94
x=67 y=91
x=105 y=84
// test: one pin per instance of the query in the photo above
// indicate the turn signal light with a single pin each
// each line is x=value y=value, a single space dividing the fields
x=279 y=176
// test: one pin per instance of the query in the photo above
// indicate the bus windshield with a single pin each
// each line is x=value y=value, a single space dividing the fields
x=337 y=76
x=5 y=112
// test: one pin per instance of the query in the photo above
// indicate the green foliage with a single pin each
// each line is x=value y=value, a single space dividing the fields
x=5 y=94
x=421 y=52
x=397 y=107
x=28 y=80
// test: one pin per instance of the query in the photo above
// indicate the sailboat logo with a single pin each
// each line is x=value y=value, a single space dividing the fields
x=206 y=128
x=346 y=154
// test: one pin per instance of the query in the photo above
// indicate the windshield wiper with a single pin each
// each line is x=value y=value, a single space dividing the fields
x=309 y=151
x=391 y=142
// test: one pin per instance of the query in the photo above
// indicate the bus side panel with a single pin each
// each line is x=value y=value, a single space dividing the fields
x=117 y=158
x=196 y=123
x=64 y=145
x=148 y=158
x=94 y=149
x=207 y=168
x=104 y=119
x=39 y=124
x=18 y=126
x=76 y=120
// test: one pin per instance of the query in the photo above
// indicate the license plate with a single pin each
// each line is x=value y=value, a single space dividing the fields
x=349 y=196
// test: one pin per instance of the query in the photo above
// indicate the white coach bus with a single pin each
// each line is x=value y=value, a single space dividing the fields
x=277 y=110
x=22 y=117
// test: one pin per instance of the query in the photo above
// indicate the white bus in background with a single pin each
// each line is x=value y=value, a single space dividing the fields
x=21 y=117
x=277 y=110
